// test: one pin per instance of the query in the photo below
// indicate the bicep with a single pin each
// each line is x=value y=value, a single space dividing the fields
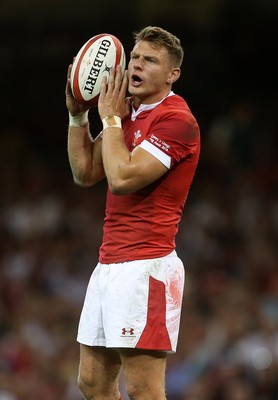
x=143 y=169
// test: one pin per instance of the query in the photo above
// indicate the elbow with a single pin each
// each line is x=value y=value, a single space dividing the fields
x=119 y=192
x=122 y=181
x=89 y=179
x=119 y=188
x=81 y=181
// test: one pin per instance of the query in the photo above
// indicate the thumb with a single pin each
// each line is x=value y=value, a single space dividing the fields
x=127 y=106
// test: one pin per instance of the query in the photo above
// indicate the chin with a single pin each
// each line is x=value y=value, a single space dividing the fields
x=132 y=90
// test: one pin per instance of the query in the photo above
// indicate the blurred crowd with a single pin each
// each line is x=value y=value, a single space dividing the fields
x=50 y=232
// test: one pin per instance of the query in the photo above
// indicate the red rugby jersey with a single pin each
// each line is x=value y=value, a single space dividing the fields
x=144 y=224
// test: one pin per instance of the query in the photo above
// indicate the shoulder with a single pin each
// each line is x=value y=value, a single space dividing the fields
x=174 y=110
x=176 y=104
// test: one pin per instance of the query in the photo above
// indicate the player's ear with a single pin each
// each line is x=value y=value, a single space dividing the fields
x=174 y=75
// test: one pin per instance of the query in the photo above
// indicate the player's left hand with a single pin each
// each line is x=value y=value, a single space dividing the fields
x=112 y=98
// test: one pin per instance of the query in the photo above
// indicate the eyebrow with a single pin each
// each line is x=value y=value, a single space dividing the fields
x=146 y=56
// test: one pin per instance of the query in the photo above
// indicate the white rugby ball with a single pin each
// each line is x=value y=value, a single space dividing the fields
x=94 y=61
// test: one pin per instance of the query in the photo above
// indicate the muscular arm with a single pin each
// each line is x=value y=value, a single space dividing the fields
x=127 y=172
x=84 y=153
x=85 y=156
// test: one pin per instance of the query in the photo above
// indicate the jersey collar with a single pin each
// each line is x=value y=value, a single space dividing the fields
x=147 y=107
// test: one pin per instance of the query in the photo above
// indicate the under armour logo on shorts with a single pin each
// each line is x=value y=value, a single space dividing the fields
x=128 y=332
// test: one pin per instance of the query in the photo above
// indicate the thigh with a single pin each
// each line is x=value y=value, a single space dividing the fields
x=144 y=372
x=99 y=367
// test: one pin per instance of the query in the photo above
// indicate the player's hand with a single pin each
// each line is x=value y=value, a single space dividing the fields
x=72 y=105
x=112 y=98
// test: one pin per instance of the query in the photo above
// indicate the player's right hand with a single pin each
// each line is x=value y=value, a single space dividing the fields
x=72 y=105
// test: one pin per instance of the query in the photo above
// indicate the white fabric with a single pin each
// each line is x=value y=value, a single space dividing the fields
x=116 y=304
x=156 y=152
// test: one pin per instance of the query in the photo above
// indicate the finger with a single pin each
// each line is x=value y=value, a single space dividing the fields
x=111 y=78
x=124 y=84
x=69 y=71
x=118 y=78
x=68 y=85
x=127 y=105
x=103 y=87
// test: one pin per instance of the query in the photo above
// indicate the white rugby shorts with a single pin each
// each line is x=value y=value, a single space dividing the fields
x=135 y=304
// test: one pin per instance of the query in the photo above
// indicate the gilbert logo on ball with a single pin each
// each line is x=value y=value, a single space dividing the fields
x=94 y=61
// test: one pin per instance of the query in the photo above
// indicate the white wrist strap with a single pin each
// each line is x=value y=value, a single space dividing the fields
x=112 y=121
x=78 y=120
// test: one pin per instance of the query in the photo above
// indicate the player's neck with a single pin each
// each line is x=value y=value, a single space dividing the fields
x=138 y=100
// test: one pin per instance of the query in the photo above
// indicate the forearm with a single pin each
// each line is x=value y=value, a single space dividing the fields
x=84 y=154
x=116 y=160
x=80 y=151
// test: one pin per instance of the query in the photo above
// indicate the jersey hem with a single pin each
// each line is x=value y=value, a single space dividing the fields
x=120 y=260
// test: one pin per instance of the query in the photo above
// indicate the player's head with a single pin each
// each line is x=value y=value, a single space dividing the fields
x=160 y=37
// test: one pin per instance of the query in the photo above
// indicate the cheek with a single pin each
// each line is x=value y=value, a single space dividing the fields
x=157 y=80
x=159 y=75
x=129 y=66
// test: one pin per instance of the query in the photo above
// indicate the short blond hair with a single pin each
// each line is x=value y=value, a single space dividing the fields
x=161 y=37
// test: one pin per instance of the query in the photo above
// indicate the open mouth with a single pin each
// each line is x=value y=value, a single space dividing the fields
x=136 y=80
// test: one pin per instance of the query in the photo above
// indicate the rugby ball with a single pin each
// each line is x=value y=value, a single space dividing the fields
x=94 y=61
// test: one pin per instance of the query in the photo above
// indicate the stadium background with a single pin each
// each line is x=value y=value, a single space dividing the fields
x=50 y=230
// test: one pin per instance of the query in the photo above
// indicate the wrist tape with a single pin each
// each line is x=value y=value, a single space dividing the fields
x=112 y=121
x=78 y=120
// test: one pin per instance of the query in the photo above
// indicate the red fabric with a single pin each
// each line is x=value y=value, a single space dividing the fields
x=155 y=335
x=144 y=224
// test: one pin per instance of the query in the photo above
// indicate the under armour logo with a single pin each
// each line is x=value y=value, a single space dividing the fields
x=129 y=332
